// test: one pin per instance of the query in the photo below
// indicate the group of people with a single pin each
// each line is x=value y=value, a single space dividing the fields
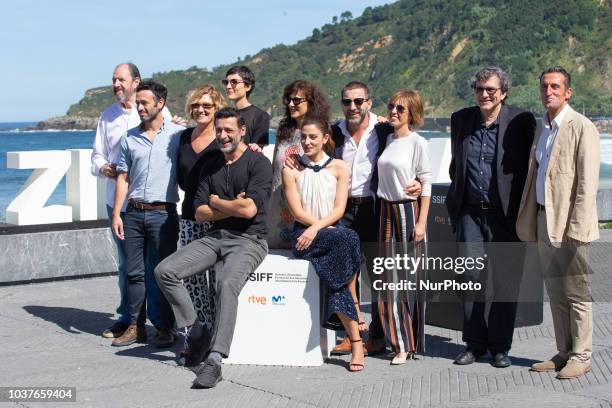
x=330 y=190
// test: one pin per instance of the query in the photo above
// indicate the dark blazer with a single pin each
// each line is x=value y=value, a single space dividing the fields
x=382 y=131
x=514 y=139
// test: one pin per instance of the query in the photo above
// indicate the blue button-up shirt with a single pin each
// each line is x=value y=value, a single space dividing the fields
x=481 y=168
x=151 y=166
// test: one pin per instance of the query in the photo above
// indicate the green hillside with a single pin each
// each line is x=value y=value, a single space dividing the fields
x=430 y=45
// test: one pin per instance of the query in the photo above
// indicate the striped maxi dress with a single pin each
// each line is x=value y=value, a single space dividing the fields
x=402 y=312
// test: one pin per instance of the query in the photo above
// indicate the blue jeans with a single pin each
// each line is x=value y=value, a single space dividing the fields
x=122 y=309
x=150 y=236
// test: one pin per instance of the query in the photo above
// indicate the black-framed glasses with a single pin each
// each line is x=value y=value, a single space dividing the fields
x=232 y=81
x=357 y=101
x=488 y=89
x=399 y=108
x=296 y=100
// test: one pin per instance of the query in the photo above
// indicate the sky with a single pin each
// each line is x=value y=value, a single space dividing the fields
x=52 y=51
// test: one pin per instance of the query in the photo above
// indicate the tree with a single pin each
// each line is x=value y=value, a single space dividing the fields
x=346 y=16
x=335 y=20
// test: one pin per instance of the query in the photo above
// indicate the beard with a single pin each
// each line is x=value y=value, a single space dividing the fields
x=354 y=121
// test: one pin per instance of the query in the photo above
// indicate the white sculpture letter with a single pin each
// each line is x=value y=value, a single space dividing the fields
x=28 y=207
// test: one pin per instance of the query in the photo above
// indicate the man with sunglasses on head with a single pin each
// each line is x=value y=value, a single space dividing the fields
x=490 y=145
x=360 y=139
x=239 y=82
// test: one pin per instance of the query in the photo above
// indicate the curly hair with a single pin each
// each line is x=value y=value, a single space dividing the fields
x=317 y=106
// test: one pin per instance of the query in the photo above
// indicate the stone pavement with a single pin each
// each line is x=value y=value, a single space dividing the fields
x=50 y=337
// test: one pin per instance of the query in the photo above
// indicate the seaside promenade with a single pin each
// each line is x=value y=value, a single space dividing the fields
x=50 y=337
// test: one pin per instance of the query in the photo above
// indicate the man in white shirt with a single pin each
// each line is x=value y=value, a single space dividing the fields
x=113 y=123
x=559 y=212
x=360 y=140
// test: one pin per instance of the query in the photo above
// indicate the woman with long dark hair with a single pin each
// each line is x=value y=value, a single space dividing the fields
x=300 y=98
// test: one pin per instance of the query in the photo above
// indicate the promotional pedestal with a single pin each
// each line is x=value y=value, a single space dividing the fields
x=278 y=320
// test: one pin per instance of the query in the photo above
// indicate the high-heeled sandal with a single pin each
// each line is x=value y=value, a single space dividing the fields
x=359 y=366
x=363 y=327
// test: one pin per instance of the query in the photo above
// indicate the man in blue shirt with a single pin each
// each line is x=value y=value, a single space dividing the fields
x=146 y=176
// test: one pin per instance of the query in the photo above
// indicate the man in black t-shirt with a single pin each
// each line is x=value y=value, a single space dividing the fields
x=239 y=82
x=234 y=194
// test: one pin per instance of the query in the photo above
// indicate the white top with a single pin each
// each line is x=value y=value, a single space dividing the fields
x=403 y=160
x=113 y=123
x=317 y=189
x=543 y=149
x=361 y=158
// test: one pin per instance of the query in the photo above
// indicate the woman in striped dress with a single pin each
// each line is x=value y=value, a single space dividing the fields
x=403 y=221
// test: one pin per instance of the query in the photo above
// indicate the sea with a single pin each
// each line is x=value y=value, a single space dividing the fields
x=14 y=137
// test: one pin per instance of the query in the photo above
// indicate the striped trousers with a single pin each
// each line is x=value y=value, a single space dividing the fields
x=402 y=312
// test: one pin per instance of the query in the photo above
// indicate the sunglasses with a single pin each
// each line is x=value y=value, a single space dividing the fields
x=357 y=101
x=399 y=108
x=205 y=106
x=296 y=100
x=489 y=89
x=233 y=82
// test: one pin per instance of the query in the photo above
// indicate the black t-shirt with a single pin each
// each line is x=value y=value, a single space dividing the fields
x=251 y=174
x=257 y=125
x=190 y=166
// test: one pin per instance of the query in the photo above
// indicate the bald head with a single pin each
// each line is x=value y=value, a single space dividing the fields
x=126 y=79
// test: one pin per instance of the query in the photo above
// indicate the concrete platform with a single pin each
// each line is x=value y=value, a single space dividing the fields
x=50 y=336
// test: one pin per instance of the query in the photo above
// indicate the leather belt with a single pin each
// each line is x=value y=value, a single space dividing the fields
x=151 y=206
x=485 y=206
x=360 y=200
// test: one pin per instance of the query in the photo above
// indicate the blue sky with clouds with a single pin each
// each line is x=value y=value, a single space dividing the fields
x=52 y=51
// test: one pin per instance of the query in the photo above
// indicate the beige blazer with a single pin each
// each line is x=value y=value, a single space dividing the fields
x=572 y=180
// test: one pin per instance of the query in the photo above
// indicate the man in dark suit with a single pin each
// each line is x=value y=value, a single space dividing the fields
x=490 y=146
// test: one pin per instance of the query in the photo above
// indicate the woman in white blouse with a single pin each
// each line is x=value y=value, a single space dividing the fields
x=403 y=221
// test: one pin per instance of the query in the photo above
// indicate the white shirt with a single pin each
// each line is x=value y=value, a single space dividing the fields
x=361 y=158
x=543 y=150
x=403 y=160
x=113 y=123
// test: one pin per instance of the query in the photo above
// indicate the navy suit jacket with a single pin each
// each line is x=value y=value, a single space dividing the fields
x=514 y=139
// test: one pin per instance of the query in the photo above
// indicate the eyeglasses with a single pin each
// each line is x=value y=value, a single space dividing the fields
x=489 y=89
x=357 y=101
x=399 y=108
x=232 y=81
x=296 y=100
x=205 y=106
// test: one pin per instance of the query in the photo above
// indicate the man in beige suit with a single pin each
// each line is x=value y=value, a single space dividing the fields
x=559 y=211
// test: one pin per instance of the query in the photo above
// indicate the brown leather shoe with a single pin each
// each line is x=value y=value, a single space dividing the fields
x=373 y=347
x=554 y=364
x=131 y=335
x=343 y=348
x=574 y=369
x=165 y=338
